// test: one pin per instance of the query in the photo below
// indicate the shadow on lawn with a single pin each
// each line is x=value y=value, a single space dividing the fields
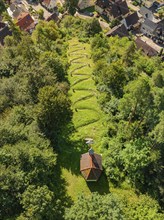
x=101 y=186
x=69 y=151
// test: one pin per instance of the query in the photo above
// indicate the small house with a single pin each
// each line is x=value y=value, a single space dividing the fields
x=153 y=30
x=111 y=9
x=146 y=48
x=25 y=22
x=91 y=165
x=131 y=21
x=119 y=30
x=14 y=10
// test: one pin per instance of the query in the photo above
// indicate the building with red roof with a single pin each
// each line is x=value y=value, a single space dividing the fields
x=25 y=21
x=91 y=166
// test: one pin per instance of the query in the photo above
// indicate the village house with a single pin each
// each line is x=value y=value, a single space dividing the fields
x=14 y=10
x=25 y=22
x=131 y=21
x=153 y=30
x=112 y=9
x=146 y=48
x=119 y=30
x=53 y=17
x=147 y=13
x=91 y=165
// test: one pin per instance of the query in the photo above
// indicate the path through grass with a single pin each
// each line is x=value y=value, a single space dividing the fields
x=87 y=121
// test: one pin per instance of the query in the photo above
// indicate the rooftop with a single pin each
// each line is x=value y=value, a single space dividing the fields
x=25 y=21
x=91 y=166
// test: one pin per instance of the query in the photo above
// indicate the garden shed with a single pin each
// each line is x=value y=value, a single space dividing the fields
x=91 y=165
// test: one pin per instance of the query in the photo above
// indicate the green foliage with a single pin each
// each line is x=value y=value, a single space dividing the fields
x=16 y=33
x=29 y=69
x=71 y=6
x=144 y=208
x=83 y=28
x=41 y=14
x=38 y=203
x=114 y=23
x=2 y=6
x=111 y=206
x=131 y=87
x=53 y=110
x=92 y=27
x=45 y=34
x=96 y=207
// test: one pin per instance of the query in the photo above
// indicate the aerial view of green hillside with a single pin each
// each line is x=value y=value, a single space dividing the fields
x=81 y=110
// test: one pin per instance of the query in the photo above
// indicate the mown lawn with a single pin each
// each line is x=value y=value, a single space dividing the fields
x=87 y=122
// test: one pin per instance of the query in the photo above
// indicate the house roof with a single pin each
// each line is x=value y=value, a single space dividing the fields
x=103 y=3
x=132 y=19
x=150 y=24
x=15 y=10
x=25 y=21
x=91 y=166
x=4 y=31
x=146 y=13
x=147 y=49
x=116 y=8
x=53 y=17
x=123 y=7
x=119 y=30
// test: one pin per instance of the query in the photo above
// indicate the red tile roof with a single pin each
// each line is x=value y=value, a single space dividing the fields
x=91 y=166
x=25 y=21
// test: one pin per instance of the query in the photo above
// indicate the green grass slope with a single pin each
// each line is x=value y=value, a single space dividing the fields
x=87 y=121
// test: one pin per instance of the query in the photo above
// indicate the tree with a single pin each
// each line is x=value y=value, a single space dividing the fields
x=41 y=14
x=2 y=6
x=16 y=33
x=37 y=202
x=114 y=22
x=45 y=35
x=96 y=207
x=71 y=6
x=20 y=165
x=145 y=208
x=92 y=27
x=136 y=157
x=53 y=110
x=136 y=104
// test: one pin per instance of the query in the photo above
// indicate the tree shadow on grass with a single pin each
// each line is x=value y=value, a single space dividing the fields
x=69 y=151
x=101 y=186
x=69 y=158
x=58 y=186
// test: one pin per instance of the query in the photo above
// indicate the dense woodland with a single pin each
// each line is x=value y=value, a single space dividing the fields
x=35 y=109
